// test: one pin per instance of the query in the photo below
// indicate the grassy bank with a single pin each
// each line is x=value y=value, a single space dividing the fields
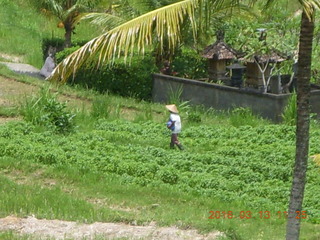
x=23 y=28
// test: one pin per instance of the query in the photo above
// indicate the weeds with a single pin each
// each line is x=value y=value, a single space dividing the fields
x=6 y=111
x=243 y=116
x=146 y=114
x=290 y=112
x=174 y=95
x=45 y=110
x=101 y=107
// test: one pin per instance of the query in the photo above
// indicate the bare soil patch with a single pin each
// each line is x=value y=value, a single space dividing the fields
x=11 y=58
x=65 y=230
x=11 y=91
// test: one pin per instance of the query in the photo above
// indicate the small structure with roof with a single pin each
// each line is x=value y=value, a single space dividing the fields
x=218 y=54
x=260 y=67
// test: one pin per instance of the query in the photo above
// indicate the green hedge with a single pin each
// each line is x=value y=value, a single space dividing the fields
x=134 y=79
x=58 y=44
x=129 y=80
x=189 y=64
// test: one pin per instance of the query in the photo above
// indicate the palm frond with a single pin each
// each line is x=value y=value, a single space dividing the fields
x=309 y=7
x=55 y=7
x=165 y=22
x=143 y=6
x=104 y=20
x=76 y=8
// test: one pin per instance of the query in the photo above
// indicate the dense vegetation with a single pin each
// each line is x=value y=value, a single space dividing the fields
x=231 y=162
x=246 y=164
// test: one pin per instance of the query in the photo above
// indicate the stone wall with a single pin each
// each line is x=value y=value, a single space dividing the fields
x=222 y=97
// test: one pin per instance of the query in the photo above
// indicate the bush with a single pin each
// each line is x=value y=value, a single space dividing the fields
x=65 y=52
x=58 y=44
x=45 y=110
x=51 y=42
x=189 y=64
x=128 y=80
x=134 y=79
x=242 y=117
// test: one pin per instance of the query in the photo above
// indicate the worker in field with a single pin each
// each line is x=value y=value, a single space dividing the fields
x=174 y=124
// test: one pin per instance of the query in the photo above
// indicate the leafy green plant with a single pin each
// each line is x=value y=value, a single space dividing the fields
x=132 y=79
x=223 y=161
x=45 y=110
x=101 y=107
x=174 y=97
x=65 y=52
x=189 y=64
x=290 y=112
x=194 y=116
x=243 y=116
x=168 y=175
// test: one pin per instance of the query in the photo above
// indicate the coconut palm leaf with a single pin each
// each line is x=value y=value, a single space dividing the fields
x=164 y=23
x=56 y=8
x=308 y=6
x=104 y=20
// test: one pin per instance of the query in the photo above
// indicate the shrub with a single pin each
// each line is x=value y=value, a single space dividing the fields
x=243 y=116
x=65 y=52
x=45 y=110
x=189 y=64
x=128 y=80
x=58 y=44
x=51 y=42
x=133 y=79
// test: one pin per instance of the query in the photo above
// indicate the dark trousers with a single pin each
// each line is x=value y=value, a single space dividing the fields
x=175 y=141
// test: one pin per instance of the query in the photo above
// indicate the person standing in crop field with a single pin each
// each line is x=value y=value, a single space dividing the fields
x=174 y=124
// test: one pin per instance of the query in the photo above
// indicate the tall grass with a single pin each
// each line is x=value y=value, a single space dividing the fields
x=244 y=116
x=45 y=110
x=101 y=107
x=145 y=114
x=290 y=112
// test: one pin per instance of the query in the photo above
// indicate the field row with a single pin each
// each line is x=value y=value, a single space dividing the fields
x=246 y=164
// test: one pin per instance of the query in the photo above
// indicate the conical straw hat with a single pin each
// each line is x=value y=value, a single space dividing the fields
x=172 y=108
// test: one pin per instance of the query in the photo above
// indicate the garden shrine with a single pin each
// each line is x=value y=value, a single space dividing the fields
x=234 y=81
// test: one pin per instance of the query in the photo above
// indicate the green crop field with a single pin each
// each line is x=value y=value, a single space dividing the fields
x=74 y=154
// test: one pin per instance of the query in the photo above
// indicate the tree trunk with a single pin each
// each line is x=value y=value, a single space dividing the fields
x=67 y=38
x=302 y=130
x=68 y=26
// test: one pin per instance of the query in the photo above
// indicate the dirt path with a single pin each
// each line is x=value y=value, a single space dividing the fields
x=13 y=92
x=65 y=230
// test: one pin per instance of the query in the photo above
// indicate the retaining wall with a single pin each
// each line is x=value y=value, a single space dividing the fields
x=222 y=97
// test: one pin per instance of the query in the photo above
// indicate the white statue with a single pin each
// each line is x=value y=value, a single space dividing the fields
x=48 y=66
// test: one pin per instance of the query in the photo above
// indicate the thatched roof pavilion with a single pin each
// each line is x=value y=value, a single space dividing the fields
x=254 y=76
x=218 y=54
x=219 y=51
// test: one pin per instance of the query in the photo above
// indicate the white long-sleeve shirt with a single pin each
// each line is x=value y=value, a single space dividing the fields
x=177 y=122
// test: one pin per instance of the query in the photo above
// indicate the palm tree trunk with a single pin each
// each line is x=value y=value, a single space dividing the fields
x=302 y=130
x=68 y=27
